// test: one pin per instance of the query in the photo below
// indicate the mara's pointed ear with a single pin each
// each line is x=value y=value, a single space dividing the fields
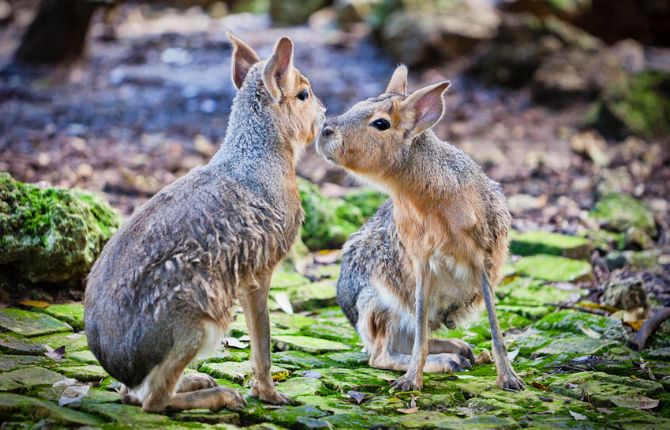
x=398 y=82
x=279 y=68
x=243 y=58
x=423 y=108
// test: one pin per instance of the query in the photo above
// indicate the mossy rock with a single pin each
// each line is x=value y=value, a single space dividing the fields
x=51 y=234
x=531 y=292
x=15 y=344
x=86 y=373
x=300 y=386
x=15 y=407
x=362 y=379
x=619 y=212
x=313 y=296
x=33 y=376
x=638 y=104
x=542 y=242
x=289 y=416
x=328 y=221
x=291 y=321
x=575 y=345
x=308 y=344
x=298 y=360
x=11 y=362
x=553 y=268
x=71 y=341
x=600 y=388
x=239 y=372
x=28 y=323
x=283 y=279
x=567 y=321
x=71 y=313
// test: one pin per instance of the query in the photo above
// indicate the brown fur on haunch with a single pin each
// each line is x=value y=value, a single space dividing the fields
x=432 y=253
x=164 y=286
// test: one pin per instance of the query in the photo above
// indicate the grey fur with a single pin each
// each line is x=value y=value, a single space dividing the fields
x=179 y=260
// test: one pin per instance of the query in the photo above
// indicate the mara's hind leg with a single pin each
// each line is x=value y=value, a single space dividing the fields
x=451 y=346
x=194 y=382
x=162 y=380
x=389 y=346
x=128 y=398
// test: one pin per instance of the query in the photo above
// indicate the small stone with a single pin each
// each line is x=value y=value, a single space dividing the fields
x=627 y=293
x=307 y=344
x=592 y=145
x=30 y=323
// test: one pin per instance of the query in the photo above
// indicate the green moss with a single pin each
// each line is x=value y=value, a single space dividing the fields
x=308 y=344
x=30 y=323
x=554 y=269
x=282 y=279
x=542 y=242
x=639 y=104
x=367 y=200
x=618 y=212
x=51 y=234
x=328 y=221
x=530 y=292
x=313 y=296
x=87 y=373
x=71 y=313
x=239 y=372
x=567 y=321
x=292 y=359
x=17 y=408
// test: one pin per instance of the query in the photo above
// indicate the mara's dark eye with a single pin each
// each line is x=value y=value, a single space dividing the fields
x=303 y=95
x=381 y=124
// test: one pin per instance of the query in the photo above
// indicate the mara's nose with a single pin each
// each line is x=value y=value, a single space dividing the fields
x=327 y=131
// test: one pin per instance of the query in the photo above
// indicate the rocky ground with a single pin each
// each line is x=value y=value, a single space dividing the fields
x=579 y=371
x=590 y=253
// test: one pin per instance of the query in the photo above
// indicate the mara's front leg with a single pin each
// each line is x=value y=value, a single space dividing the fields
x=413 y=378
x=506 y=377
x=254 y=301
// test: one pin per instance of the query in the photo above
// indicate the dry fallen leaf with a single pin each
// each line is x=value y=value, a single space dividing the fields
x=34 y=303
x=233 y=342
x=55 y=354
x=357 y=396
x=311 y=374
x=577 y=416
x=634 y=401
x=413 y=408
x=512 y=354
x=283 y=301
x=636 y=325
x=539 y=386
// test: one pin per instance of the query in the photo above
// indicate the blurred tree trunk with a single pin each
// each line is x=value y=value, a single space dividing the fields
x=58 y=31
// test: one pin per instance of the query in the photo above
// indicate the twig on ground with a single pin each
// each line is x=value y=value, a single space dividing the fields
x=639 y=342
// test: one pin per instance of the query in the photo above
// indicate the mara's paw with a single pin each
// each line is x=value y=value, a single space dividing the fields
x=270 y=395
x=446 y=363
x=509 y=380
x=195 y=382
x=228 y=398
x=464 y=349
x=407 y=383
